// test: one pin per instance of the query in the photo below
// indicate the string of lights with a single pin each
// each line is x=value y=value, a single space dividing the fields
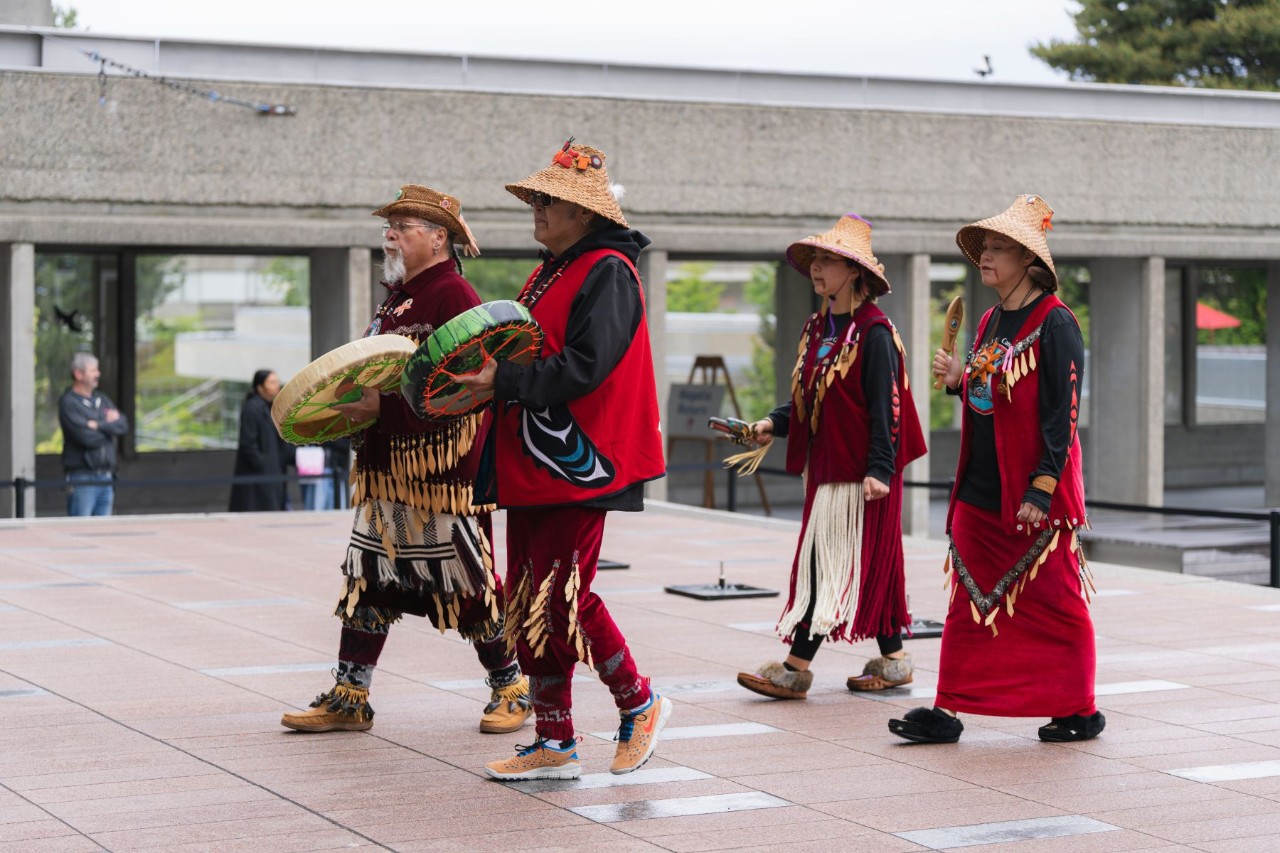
x=105 y=62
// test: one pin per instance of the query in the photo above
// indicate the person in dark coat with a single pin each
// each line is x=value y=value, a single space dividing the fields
x=261 y=450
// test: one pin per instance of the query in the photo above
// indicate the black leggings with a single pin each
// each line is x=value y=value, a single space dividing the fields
x=804 y=646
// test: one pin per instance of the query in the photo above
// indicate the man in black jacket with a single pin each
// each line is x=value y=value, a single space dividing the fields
x=90 y=423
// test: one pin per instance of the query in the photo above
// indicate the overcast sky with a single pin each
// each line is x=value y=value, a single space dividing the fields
x=938 y=39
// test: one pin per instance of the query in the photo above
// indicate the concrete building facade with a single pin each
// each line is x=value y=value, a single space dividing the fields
x=1147 y=184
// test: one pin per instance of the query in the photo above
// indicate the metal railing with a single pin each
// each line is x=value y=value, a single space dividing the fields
x=1271 y=517
x=21 y=486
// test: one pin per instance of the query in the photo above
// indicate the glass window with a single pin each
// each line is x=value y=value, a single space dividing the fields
x=1231 y=346
x=1173 y=349
x=946 y=282
x=70 y=300
x=726 y=309
x=205 y=324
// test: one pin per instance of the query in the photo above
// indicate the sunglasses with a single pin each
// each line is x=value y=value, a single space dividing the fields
x=542 y=199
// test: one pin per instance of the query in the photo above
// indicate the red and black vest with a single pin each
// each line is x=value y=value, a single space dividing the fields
x=830 y=429
x=591 y=447
x=1015 y=397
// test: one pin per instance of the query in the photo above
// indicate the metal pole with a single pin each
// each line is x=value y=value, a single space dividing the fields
x=1275 y=548
x=20 y=504
x=733 y=489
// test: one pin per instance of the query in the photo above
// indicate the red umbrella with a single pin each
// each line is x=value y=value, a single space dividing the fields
x=1211 y=318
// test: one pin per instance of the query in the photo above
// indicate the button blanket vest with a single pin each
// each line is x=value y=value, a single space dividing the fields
x=548 y=463
x=591 y=447
x=838 y=453
x=1019 y=445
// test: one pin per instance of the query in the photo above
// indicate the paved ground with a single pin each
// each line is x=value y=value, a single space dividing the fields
x=144 y=664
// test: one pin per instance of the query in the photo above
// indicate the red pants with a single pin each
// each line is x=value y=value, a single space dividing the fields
x=552 y=626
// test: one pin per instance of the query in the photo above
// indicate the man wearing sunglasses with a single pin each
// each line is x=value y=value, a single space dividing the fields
x=575 y=435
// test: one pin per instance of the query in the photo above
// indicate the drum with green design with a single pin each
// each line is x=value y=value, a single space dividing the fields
x=303 y=410
x=501 y=330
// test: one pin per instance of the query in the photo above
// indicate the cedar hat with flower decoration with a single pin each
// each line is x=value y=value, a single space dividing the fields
x=1026 y=221
x=433 y=206
x=850 y=238
x=577 y=175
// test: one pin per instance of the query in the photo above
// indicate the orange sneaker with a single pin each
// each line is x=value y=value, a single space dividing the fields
x=538 y=761
x=638 y=734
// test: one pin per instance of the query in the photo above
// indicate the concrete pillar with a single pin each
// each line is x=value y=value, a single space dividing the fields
x=340 y=297
x=653 y=273
x=908 y=305
x=1272 y=441
x=1124 y=458
x=17 y=371
x=794 y=301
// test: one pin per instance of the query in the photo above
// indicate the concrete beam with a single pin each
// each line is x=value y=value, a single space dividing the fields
x=266 y=229
x=1124 y=461
x=17 y=371
x=653 y=275
x=909 y=306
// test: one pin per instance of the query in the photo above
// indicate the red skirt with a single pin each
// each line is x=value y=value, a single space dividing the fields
x=1018 y=640
x=882 y=588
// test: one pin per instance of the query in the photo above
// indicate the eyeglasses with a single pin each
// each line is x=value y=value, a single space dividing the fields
x=402 y=227
x=542 y=199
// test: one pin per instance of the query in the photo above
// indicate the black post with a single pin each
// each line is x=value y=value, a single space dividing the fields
x=336 y=478
x=1275 y=548
x=733 y=489
x=20 y=506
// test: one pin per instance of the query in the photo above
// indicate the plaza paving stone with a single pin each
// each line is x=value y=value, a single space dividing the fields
x=145 y=663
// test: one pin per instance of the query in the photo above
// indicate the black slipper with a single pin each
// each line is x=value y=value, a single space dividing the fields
x=1073 y=728
x=927 y=725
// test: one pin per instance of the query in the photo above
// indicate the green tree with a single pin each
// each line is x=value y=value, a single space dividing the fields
x=1222 y=44
x=64 y=17
x=690 y=292
x=290 y=275
x=498 y=278
x=1242 y=293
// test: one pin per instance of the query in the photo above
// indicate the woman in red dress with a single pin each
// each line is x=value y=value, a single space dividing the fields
x=1018 y=640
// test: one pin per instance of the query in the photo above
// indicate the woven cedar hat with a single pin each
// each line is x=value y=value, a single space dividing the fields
x=850 y=238
x=576 y=174
x=433 y=206
x=1027 y=220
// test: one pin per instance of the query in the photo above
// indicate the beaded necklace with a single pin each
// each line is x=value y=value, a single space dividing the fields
x=384 y=310
x=829 y=360
x=540 y=286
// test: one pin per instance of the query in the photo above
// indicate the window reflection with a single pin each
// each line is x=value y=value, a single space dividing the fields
x=205 y=323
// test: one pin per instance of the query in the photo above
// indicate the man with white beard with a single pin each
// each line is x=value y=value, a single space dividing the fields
x=415 y=529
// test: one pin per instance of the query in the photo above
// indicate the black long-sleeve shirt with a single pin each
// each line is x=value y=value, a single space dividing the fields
x=603 y=319
x=1061 y=345
x=879 y=375
x=86 y=448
